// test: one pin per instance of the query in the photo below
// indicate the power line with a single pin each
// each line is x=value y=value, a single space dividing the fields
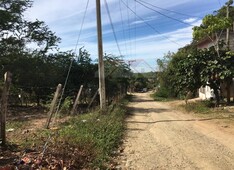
x=81 y=27
x=158 y=32
x=66 y=80
x=112 y=26
x=138 y=28
x=123 y=28
x=169 y=10
x=175 y=19
x=129 y=33
x=219 y=3
x=76 y=46
x=135 y=9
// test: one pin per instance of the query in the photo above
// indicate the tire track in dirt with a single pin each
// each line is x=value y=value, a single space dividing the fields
x=159 y=137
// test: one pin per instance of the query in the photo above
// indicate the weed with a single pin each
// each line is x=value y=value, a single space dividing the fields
x=98 y=132
x=93 y=137
x=85 y=141
x=15 y=124
x=160 y=99
x=199 y=106
x=66 y=106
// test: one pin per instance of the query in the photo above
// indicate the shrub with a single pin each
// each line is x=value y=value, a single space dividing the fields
x=94 y=136
x=66 y=106
x=199 y=106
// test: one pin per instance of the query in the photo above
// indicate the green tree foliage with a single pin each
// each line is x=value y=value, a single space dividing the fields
x=164 y=76
x=222 y=12
x=117 y=74
x=171 y=77
x=211 y=25
x=189 y=68
x=29 y=50
x=18 y=34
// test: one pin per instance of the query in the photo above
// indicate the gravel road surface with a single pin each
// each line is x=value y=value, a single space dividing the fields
x=161 y=137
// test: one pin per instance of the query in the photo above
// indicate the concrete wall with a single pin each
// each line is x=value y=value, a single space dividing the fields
x=207 y=43
x=206 y=93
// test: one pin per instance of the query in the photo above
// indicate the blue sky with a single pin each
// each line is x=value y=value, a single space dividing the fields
x=142 y=40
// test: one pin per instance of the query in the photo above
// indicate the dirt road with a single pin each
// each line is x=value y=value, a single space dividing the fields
x=159 y=137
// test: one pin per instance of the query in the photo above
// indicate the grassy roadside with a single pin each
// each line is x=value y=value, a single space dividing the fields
x=87 y=141
x=202 y=109
x=161 y=97
x=205 y=109
x=91 y=138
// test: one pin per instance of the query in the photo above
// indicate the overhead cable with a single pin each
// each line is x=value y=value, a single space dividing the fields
x=170 y=10
x=123 y=28
x=147 y=23
x=112 y=26
x=175 y=19
x=66 y=80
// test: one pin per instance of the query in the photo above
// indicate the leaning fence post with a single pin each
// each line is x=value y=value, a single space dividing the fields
x=3 y=106
x=53 y=104
x=76 y=101
x=94 y=96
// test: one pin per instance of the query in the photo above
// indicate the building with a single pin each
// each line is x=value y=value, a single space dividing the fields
x=206 y=92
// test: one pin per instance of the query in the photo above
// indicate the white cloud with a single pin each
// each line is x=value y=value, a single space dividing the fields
x=190 y=20
x=65 y=17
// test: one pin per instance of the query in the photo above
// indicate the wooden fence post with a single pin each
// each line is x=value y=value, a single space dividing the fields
x=3 y=106
x=94 y=96
x=73 y=111
x=53 y=105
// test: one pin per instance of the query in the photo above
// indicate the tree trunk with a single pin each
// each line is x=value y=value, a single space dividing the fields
x=217 y=97
x=3 y=107
x=228 y=89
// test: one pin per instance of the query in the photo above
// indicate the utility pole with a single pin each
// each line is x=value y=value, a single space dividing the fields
x=229 y=3
x=3 y=107
x=228 y=86
x=101 y=71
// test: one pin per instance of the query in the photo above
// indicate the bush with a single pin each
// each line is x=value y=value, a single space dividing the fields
x=162 y=94
x=199 y=106
x=66 y=106
x=93 y=137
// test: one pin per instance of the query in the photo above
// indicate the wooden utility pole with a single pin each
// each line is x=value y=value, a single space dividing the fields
x=228 y=86
x=73 y=111
x=53 y=105
x=3 y=106
x=228 y=29
x=101 y=71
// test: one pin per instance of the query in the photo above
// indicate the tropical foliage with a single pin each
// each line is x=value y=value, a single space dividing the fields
x=190 y=68
x=29 y=50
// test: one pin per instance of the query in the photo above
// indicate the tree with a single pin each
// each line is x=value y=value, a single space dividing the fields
x=204 y=67
x=117 y=76
x=29 y=66
x=212 y=26
x=17 y=34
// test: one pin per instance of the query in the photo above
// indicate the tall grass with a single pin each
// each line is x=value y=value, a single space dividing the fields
x=89 y=140
x=162 y=94
x=199 y=106
x=84 y=141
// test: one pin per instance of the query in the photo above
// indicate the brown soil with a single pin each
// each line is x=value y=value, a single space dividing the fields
x=27 y=124
x=162 y=137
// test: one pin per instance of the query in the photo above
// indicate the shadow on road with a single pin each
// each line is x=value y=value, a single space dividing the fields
x=169 y=121
x=142 y=100
x=146 y=110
